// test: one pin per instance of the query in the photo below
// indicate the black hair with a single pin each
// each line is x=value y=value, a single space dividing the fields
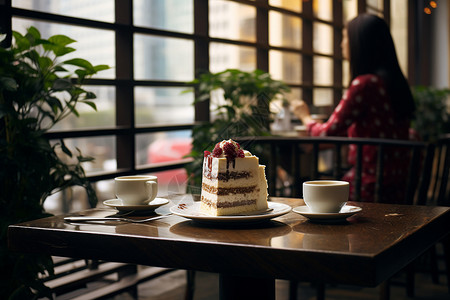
x=372 y=51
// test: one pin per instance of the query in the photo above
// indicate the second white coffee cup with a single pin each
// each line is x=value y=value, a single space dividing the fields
x=136 y=190
x=325 y=196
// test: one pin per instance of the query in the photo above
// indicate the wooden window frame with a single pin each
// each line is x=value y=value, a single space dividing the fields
x=126 y=131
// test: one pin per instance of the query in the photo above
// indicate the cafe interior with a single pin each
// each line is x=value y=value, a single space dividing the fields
x=170 y=79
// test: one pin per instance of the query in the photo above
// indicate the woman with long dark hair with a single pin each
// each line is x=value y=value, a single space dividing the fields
x=377 y=104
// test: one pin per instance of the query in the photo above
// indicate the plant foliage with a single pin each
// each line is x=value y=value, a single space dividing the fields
x=37 y=90
x=242 y=111
x=432 y=112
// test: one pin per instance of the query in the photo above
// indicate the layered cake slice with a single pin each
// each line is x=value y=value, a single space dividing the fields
x=233 y=181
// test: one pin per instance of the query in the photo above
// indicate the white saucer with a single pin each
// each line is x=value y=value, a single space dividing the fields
x=192 y=211
x=117 y=204
x=345 y=212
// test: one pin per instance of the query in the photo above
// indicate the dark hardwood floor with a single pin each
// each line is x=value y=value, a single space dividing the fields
x=172 y=287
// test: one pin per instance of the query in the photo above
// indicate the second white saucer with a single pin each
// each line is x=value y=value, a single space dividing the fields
x=345 y=212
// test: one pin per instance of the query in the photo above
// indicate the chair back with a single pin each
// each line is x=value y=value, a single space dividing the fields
x=304 y=159
x=439 y=192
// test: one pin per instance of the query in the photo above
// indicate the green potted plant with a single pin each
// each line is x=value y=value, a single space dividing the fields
x=242 y=109
x=36 y=91
x=432 y=112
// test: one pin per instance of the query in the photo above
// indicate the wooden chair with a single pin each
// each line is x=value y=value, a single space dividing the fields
x=92 y=279
x=303 y=155
x=439 y=194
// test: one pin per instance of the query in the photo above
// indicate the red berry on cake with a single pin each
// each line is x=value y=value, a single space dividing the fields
x=241 y=153
x=229 y=150
x=217 y=152
x=206 y=153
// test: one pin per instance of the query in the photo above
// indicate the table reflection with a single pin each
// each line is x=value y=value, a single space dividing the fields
x=260 y=234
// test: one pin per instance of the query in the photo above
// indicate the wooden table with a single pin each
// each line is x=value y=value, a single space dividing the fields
x=366 y=250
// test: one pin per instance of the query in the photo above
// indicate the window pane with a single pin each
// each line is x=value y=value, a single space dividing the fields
x=172 y=15
x=323 y=9
x=323 y=38
x=105 y=115
x=160 y=105
x=160 y=58
x=399 y=30
x=294 y=5
x=375 y=12
x=345 y=73
x=225 y=56
x=99 y=10
x=285 y=66
x=322 y=97
x=95 y=45
x=72 y=199
x=231 y=20
x=295 y=93
x=104 y=190
x=284 y=31
x=153 y=148
x=350 y=9
x=102 y=148
x=323 y=70
x=378 y=4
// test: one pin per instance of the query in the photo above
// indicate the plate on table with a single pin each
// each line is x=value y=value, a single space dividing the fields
x=192 y=211
x=117 y=204
x=346 y=211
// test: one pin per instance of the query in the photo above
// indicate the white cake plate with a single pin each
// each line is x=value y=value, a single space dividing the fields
x=192 y=211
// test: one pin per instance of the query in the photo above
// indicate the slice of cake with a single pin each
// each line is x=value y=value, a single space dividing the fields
x=233 y=181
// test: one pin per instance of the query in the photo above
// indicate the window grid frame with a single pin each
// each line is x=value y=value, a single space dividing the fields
x=126 y=131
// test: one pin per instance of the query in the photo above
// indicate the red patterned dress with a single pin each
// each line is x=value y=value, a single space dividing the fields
x=365 y=111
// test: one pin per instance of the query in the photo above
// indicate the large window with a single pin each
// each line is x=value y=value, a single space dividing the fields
x=144 y=120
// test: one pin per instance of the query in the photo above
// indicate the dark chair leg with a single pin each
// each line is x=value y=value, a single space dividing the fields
x=131 y=269
x=320 y=291
x=410 y=280
x=293 y=286
x=190 y=285
x=385 y=290
x=446 y=246
x=434 y=265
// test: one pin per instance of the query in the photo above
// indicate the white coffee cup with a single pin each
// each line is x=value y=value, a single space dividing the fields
x=325 y=196
x=136 y=190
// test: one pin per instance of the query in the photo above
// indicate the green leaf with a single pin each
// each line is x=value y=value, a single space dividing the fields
x=65 y=149
x=59 y=68
x=72 y=109
x=60 y=51
x=99 y=68
x=34 y=32
x=82 y=159
x=44 y=63
x=81 y=74
x=21 y=42
x=79 y=62
x=90 y=95
x=90 y=103
x=8 y=83
x=33 y=36
x=61 y=40
x=55 y=104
